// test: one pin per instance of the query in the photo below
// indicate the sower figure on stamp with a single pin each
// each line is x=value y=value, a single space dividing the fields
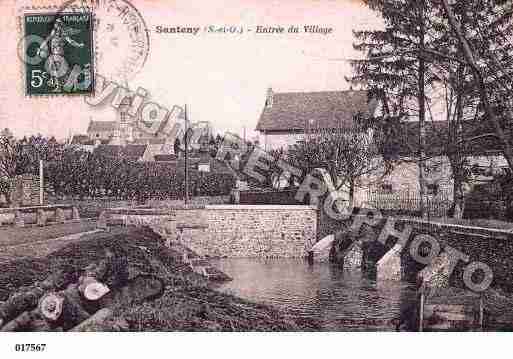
x=56 y=60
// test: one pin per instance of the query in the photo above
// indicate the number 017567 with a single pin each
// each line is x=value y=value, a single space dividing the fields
x=30 y=347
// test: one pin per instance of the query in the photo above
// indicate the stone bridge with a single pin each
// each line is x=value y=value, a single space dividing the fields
x=400 y=248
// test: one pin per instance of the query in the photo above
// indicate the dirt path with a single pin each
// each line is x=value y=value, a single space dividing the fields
x=38 y=242
x=10 y=235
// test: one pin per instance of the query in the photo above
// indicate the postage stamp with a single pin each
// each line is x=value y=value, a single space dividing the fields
x=59 y=53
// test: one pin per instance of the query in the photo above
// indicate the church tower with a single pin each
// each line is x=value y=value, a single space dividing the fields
x=126 y=130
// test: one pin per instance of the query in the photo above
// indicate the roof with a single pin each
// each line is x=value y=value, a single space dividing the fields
x=165 y=158
x=131 y=151
x=84 y=140
x=102 y=126
x=292 y=111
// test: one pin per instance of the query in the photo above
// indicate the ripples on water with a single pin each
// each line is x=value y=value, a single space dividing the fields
x=341 y=300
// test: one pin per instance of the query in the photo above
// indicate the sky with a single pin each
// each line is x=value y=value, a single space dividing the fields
x=223 y=78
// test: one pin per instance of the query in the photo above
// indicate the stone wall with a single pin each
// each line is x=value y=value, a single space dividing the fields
x=493 y=247
x=233 y=231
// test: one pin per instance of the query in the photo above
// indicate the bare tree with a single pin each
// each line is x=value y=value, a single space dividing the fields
x=352 y=156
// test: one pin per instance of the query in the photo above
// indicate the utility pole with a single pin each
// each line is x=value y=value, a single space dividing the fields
x=41 y=183
x=185 y=160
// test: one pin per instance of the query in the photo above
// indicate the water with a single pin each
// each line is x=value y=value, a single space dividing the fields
x=341 y=300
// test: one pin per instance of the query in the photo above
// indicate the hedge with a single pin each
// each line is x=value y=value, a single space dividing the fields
x=90 y=176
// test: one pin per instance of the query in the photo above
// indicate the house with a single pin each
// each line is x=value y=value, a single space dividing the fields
x=293 y=116
x=288 y=117
x=483 y=157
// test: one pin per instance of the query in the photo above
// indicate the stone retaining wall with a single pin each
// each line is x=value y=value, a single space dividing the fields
x=234 y=231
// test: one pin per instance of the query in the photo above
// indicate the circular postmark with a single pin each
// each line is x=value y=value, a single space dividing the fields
x=121 y=37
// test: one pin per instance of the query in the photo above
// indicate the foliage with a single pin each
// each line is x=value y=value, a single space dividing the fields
x=5 y=188
x=85 y=174
x=22 y=156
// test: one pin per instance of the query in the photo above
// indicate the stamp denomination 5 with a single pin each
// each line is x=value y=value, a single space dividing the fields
x=58 y=53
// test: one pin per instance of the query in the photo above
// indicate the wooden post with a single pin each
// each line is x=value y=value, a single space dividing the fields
x=186 y=198
x=421 y=310
x=481 y=312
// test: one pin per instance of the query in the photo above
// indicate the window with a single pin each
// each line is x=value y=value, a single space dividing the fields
x=432 y=189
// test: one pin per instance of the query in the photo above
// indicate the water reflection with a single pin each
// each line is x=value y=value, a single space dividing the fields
x=342 y=300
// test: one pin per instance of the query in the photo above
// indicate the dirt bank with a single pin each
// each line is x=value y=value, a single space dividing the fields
x=187 y=304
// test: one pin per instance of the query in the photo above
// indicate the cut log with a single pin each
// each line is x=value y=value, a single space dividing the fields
x=19 y=323
x=40 y=325
x=51 y=306
x=30 y=322
x=62 y=308
x=97 y=322
x=19 y=303
x=91 y=289
x=89 y=284
x=25 y=300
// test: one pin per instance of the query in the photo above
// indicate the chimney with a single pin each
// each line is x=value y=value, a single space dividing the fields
x=269 y=98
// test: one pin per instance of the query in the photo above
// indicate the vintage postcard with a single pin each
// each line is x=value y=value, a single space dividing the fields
x=255 y=166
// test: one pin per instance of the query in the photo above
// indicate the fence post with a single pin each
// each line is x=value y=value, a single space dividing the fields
x=481 y=312
x=421 y=309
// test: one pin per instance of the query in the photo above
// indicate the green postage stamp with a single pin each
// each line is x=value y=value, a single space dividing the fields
x=59 y=53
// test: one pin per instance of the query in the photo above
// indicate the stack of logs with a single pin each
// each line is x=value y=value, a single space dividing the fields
x=60 y=304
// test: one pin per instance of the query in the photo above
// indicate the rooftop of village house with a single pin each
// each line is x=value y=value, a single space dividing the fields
x=294 y=111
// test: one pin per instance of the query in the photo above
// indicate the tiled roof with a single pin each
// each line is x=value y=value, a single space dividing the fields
x=326 y=110
x=102 y=126
x=84 y=140
x=131 y=151
x=150 y=141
